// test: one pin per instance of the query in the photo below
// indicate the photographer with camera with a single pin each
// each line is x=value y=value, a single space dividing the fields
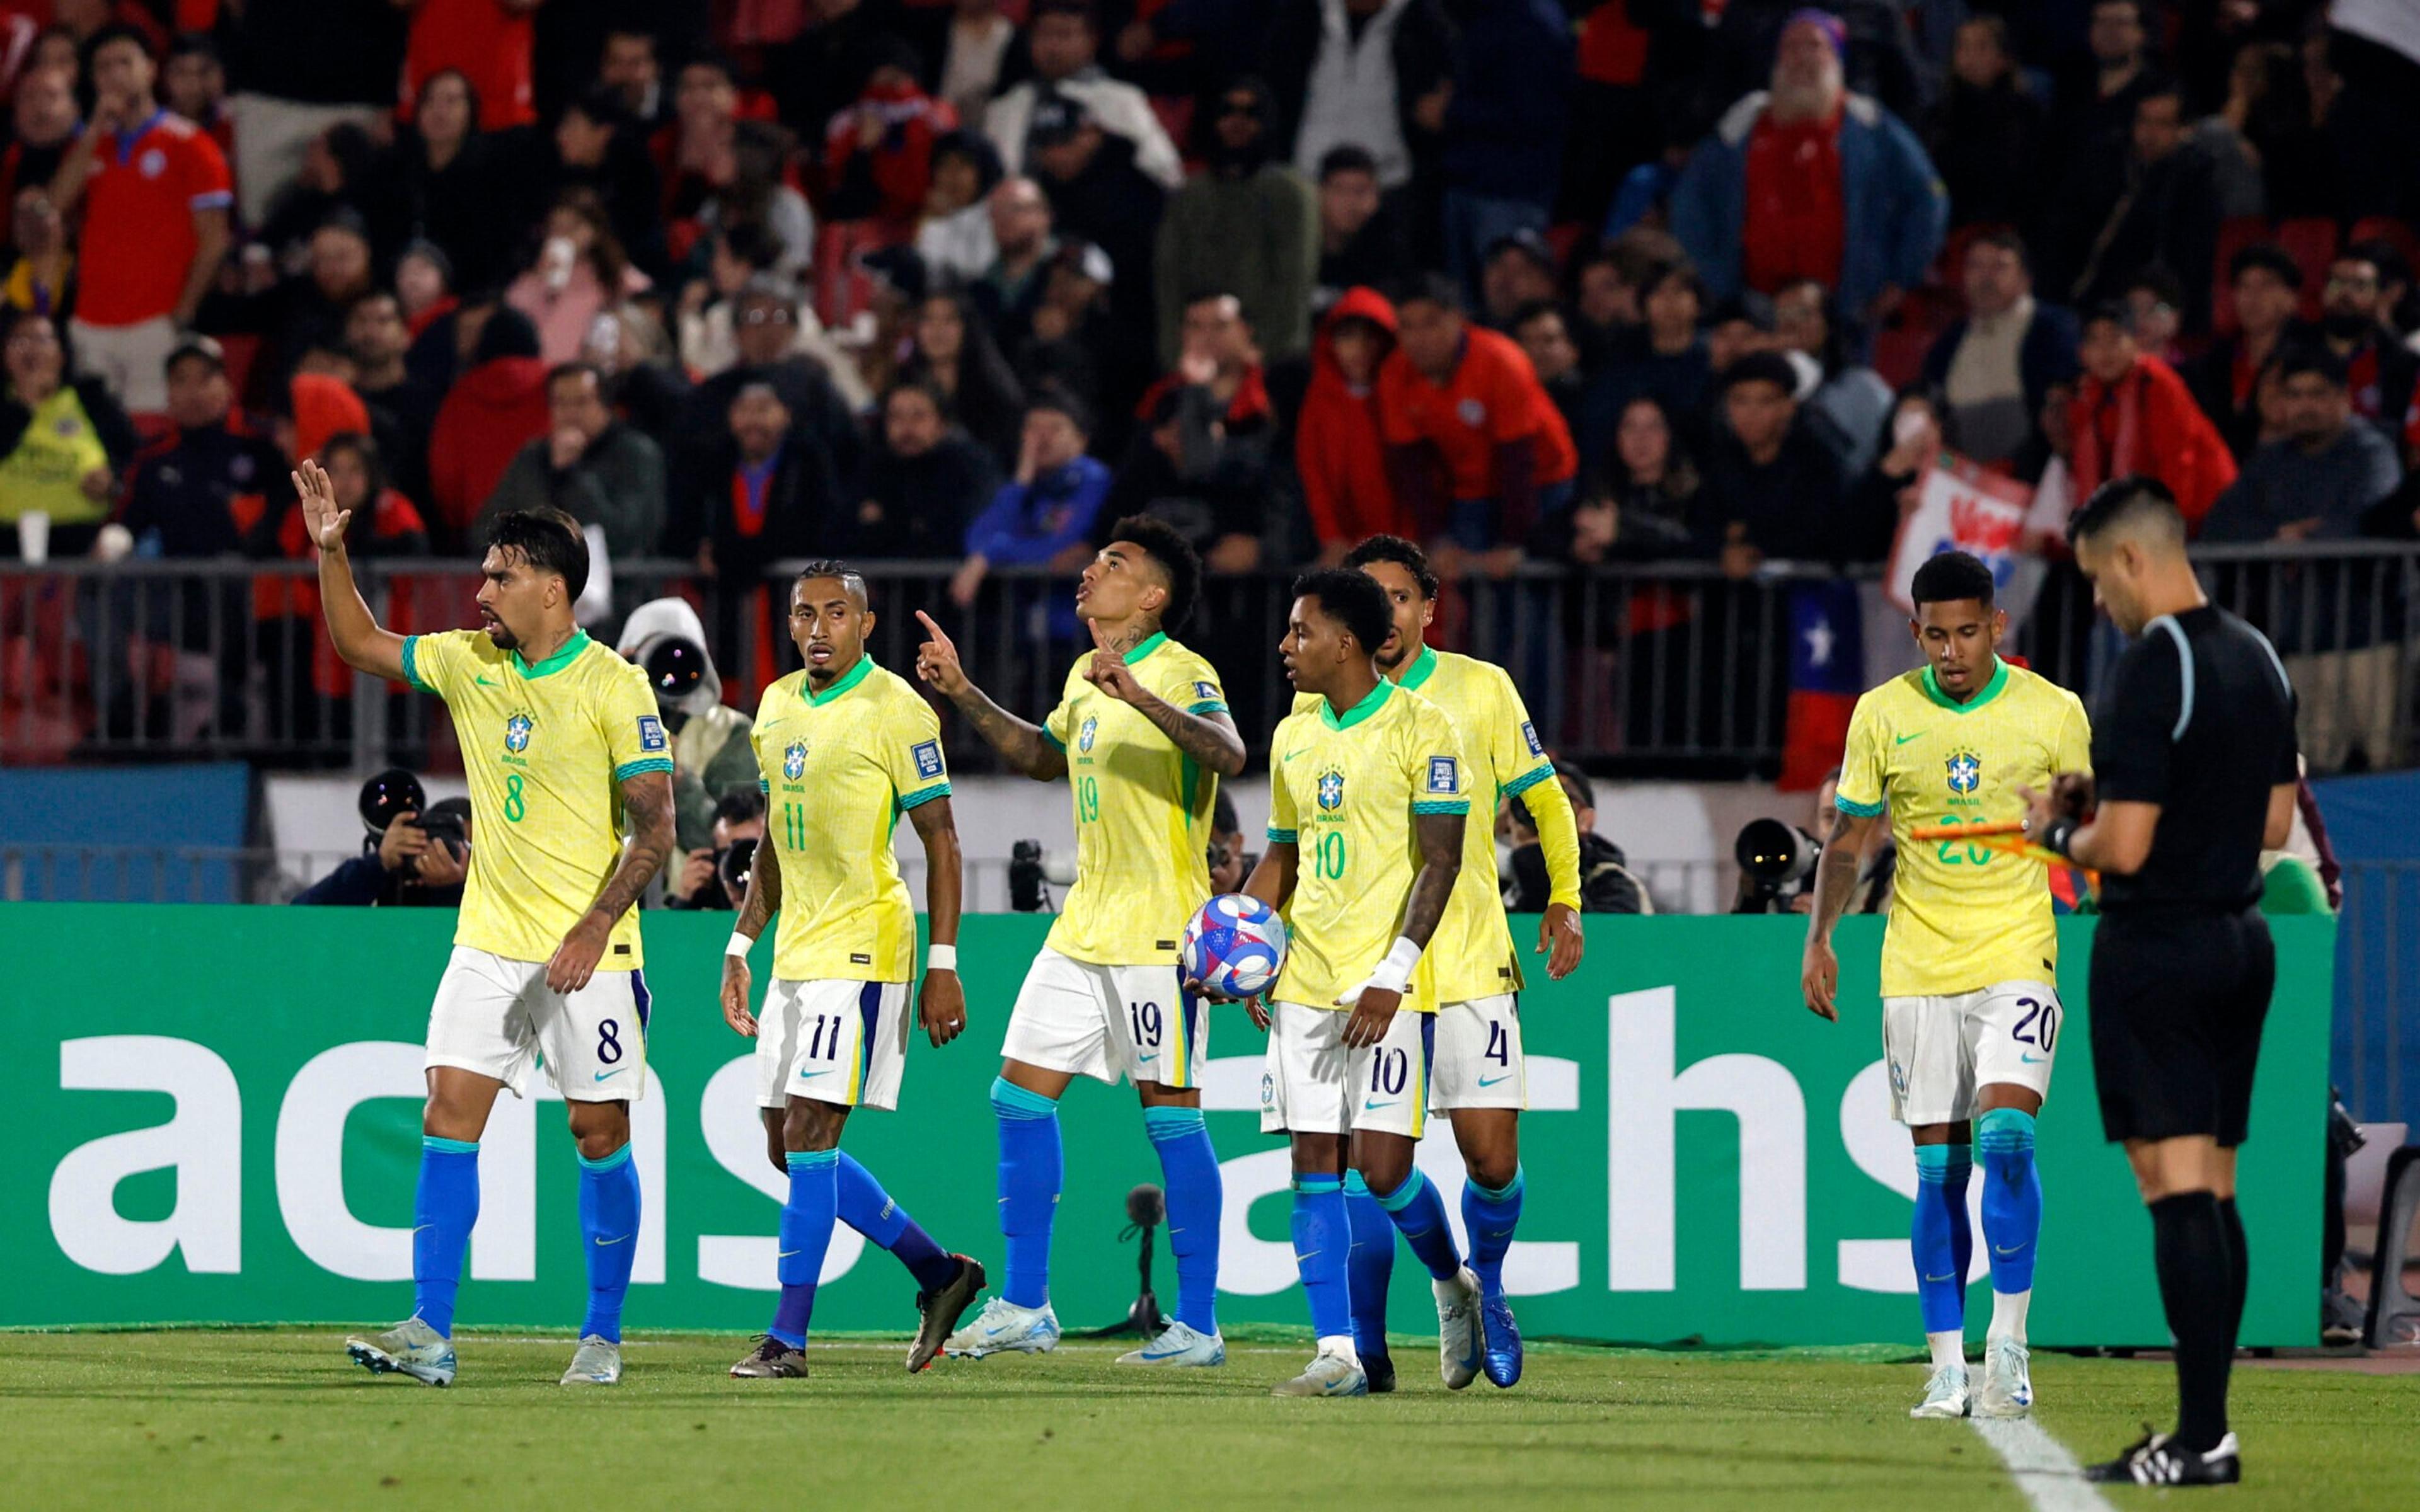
x=717 y=876
x=712 y=758
x=1607 y=885
x=417 y=853
x=1776 y=863
x=1230 y=862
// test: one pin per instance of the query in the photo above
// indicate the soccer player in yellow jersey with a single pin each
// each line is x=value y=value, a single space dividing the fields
x=844 y=747
x=564 y=752
x=1367 y=815
x=1969 y=969
x=1479 y=1080
x=1142 y=735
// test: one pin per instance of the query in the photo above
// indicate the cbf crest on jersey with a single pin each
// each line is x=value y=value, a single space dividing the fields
x=517 y=733
x=1331 y=790
x=1965 y=770
x=1084 y=733
x=794 y=759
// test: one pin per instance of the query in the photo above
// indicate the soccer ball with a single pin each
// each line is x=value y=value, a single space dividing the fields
x=1233 y=945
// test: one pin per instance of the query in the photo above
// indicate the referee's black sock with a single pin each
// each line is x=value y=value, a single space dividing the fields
x=2196 y=1266
x=2233 y=1220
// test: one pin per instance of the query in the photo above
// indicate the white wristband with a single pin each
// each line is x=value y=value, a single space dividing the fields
x=1395 y=972
x=940 y=958
x=739 y=945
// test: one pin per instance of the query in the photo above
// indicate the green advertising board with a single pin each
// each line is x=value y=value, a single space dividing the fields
x=214 y=1115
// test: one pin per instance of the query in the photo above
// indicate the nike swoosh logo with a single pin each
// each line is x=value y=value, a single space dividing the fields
x=2012 y=1249
x=615 y=1239
x=1901 y=740
x=1373 y=1107
x=424 y=1229
x=809 y=1075
x=1490 y=1081
x=1292 y=754
x=483 y=682
x=1306 y=1259
x=1937 y=1278
x=607 y=1076
x=1145 y=1060
x=785 y=1255
x=2031 y=1060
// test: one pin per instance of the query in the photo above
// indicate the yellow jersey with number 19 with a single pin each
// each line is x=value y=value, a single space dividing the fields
x=1962 y=916
x=1143 y=812
x=1344 y=790
x=839 y=768
x=546 y=749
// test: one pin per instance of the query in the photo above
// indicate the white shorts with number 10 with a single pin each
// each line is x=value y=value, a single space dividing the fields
x=1312 y=1083
x=1941 y=1049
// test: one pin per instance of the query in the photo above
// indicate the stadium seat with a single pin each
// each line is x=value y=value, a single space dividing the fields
x=2311 y=242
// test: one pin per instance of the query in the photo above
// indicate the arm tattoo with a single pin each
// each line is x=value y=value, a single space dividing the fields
x=1836 y=878
x=764 y=898
x=648 y=798
x=1440 y=838
x=1020 y=744
x=1208 y=738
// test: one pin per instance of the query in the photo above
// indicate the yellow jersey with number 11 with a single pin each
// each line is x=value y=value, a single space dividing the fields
x=546 y=749
x=839 y=768
x=1344 y=790
x=1962 y=916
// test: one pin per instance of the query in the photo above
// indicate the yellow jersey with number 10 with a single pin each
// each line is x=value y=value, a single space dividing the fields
x=1962 y=916
x=546 y=749
x=1143 y=812
x=839 y=768
x=1344 y=790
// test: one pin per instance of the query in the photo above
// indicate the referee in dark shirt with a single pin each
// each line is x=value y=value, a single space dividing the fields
x=2194 y=762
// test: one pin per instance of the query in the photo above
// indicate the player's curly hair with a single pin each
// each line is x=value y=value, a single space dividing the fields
x=1353 y=599
x=546 y=540
x=1950 y=577
x=1158 y=540
x=1402 y=554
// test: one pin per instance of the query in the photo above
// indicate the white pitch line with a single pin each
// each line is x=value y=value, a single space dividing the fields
x=2040 y=1465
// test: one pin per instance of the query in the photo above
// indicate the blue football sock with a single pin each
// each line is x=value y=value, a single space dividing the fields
x=2012 y=1196
x=442 y=1211
x=1489 y=1215
x=868 y=1208
x=1419 y=1212
x=806 y=1234
x=1372 y=1264
x=609 y=1221
x=1322 y=1240
x=1939 y=1237
x=1032 y=1165
x=1188 y=1166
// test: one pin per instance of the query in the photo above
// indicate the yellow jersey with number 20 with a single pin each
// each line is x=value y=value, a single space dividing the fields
x=1345 y=790
x=1962 y=916
x=839 y=768
x=546 y=749
x=1143 y=812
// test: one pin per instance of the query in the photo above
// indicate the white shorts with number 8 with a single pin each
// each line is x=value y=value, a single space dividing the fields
x=1941 y=1049
x=493 y=1016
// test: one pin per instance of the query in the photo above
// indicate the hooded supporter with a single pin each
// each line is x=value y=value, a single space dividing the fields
x=497 y=404
x=1336 y=442
x=878 y=150
x=711 y=753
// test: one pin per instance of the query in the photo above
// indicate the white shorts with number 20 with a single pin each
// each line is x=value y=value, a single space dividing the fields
x=493 y=1015
x=1941 y=1049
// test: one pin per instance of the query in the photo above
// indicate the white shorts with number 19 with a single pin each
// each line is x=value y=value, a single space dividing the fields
x=1941 y=1049
x=1106 y=1022
x=493 y=1015
x=844 y=1043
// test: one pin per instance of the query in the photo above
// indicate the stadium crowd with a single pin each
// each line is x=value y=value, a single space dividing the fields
x=736 y=281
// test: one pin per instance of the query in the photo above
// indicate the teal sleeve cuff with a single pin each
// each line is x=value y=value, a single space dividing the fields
x=1437 y=806
x=1529 y=780
x=763 y=786
x=412 y=664
x=1059 y=745
x=1281 y=837
x=1206 y=706
x=924 y=795
x=644 y=763
x=1850 y=805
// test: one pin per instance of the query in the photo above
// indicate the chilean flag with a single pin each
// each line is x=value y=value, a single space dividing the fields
x=1826 y=663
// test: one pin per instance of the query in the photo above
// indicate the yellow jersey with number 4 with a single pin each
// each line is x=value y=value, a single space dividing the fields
x=1344 y=790
x=1473 y=947
x=839 y=767
x=546 y=749
x=1962 y=916
x=1143 y=812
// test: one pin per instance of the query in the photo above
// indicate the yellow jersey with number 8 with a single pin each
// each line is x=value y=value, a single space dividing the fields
x=546 y=749
x=1962 y=916
x=1344 y=790
x=839 y=768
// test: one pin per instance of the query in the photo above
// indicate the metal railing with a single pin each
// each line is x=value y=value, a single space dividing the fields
x=1660 y=668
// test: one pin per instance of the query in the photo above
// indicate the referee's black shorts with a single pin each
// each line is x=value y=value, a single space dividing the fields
x=2177 y=1001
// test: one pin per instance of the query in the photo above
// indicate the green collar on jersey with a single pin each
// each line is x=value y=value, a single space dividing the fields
x=1158 y=639
x=857 y=674
x=1418 y=671
x=1359 y=712
x=1990 y=690
x=562 y=658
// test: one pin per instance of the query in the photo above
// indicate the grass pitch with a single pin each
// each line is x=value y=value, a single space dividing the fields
x=260 y=1419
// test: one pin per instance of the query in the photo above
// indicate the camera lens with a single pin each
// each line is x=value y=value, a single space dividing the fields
x=733 y=865
x=675 y=667
x=392 y=792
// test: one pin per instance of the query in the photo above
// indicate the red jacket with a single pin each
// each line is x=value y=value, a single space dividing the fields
x=493 y=410
x=2147 y=423
x=1337 y=446
x=888 y=180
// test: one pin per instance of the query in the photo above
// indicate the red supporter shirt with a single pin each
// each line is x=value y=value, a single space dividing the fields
x=1796 y=219
x=138 y=219
x=495 y=49
x=1492 y=399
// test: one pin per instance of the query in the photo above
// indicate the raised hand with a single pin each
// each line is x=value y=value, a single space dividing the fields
x=937 y=660
x=1108 y=672
x=321 y=515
